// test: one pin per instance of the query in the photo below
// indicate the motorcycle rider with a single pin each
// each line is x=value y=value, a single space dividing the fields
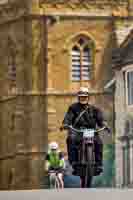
x=91 y=118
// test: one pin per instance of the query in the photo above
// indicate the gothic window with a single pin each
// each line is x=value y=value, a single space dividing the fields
x=129 y=87
x=82 y=59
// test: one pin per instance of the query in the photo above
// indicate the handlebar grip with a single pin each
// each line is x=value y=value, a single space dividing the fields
x=65 y=126
x=61 y=128
x=108 y=130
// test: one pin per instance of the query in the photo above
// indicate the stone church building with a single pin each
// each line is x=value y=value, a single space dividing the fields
x=48 y=49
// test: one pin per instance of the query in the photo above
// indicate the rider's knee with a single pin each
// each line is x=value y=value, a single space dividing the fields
x=52 y=176
x=60 y=175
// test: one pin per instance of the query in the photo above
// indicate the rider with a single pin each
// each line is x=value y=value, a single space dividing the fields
x=55 y=162
x=91 y=118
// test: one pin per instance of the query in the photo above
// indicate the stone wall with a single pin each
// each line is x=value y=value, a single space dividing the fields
x=23 y=138
x=119 y=121
x=23 y=141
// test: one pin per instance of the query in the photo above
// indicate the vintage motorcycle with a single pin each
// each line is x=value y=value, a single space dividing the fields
x=86 y=152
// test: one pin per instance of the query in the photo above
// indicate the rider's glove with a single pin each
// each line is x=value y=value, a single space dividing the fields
x=108 y=129
x=61 y=128
x=64 y=126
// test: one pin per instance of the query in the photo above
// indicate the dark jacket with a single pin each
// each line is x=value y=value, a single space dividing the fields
x=90 y=119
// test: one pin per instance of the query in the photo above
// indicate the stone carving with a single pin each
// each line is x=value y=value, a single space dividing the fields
x=79 y=2
x=11 y=11
x=61 y=5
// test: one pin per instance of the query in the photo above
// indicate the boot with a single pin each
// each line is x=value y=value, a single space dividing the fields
x=98 y=169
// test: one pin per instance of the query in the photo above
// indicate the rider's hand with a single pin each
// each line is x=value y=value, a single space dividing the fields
x=61 y=128
x=64 y=127
x=108 y=129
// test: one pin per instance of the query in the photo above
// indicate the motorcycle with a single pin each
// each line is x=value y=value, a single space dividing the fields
x=86 y=152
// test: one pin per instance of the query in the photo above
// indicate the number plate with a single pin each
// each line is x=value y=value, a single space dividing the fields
x=88 y=133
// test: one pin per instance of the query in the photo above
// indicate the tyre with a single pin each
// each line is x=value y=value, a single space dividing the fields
x=57 y=184
x=89 y=168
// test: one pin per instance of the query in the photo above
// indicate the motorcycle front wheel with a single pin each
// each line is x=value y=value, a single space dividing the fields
x=86 y=178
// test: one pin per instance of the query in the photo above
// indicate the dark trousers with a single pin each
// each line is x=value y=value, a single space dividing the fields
x=73 y=146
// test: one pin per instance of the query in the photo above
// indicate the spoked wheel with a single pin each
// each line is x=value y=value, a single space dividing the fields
x=85 y=184
x=55 y=182
x=58 y=183
x=86 y=178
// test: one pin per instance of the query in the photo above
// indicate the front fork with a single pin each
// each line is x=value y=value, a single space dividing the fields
x=88 y=159
x=83 y=152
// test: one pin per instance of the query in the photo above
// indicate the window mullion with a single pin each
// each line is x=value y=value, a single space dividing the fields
x=81 y=56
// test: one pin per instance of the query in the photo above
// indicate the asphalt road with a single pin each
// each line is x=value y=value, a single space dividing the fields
x=68 y=194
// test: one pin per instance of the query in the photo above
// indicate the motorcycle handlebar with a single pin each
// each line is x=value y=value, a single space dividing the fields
x=80 y=131
x=56 y=171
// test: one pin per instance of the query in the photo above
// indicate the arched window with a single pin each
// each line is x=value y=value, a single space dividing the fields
x=81 y=59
